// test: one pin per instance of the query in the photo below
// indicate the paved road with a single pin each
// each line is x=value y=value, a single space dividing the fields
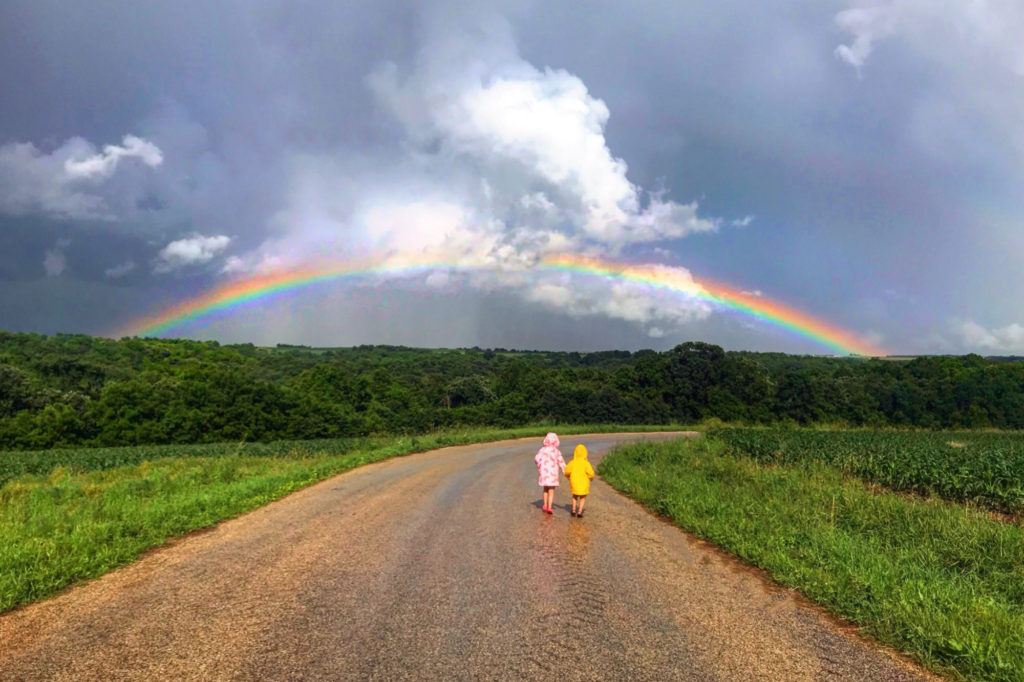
x=437 y=566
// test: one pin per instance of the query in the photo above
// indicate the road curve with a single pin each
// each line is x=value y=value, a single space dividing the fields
x=438 y=566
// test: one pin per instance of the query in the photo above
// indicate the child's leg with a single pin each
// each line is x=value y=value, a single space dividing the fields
x=549 y=496
x=583 y=501
x=574 y=499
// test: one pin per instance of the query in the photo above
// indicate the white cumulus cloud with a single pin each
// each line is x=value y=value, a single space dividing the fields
x=193 y=250
x=975 y=337
x=656 y=311
x=103 y=164
x=941 y=29
x=527 y=128
x=867 y=25
x=54 y=262
x=120 y=270
x=64 y=183
x=499 y=164
x=234 y=264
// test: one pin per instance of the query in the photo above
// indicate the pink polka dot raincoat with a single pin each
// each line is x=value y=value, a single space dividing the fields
x=549 y=462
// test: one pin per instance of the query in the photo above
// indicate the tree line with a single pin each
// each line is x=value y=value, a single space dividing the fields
x=74 y=390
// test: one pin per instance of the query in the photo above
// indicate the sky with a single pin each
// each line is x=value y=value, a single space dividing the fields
x=860 y=161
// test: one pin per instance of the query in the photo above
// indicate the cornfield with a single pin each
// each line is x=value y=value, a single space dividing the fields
x=981 y=467
x=15 y=464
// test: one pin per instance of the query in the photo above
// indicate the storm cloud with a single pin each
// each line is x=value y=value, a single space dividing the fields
x=857 y=160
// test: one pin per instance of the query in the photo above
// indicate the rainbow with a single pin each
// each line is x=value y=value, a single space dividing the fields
x=750 y=304
x=659 y=277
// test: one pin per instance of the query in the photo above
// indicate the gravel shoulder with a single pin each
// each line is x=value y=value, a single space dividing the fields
x=439 y=565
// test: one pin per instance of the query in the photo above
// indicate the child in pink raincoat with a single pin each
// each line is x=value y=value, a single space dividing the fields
x=549 y=466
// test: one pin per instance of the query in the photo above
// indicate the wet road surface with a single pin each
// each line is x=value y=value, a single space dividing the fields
x=438 y=566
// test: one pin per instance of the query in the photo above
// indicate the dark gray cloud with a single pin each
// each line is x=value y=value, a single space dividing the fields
x=878 y=147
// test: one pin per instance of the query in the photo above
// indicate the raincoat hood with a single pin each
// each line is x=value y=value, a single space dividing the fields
x=579 y=472
x=549 y=462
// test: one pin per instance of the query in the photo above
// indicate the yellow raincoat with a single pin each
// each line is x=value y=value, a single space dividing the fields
x=579 y=472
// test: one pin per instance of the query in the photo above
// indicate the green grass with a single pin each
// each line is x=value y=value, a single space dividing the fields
x=16 y=463
x=938 y=580
x=977 y=466
x=70 y=515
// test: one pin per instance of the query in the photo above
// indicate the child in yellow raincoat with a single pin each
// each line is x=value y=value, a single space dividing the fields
x=579 y=472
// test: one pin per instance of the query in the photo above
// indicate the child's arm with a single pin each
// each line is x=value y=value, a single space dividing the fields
x=590 y=471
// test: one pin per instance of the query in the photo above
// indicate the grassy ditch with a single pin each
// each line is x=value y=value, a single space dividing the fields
x=70 y=515
x=938 y=580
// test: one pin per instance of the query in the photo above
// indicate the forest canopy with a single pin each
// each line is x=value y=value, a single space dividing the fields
x=72 y=390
